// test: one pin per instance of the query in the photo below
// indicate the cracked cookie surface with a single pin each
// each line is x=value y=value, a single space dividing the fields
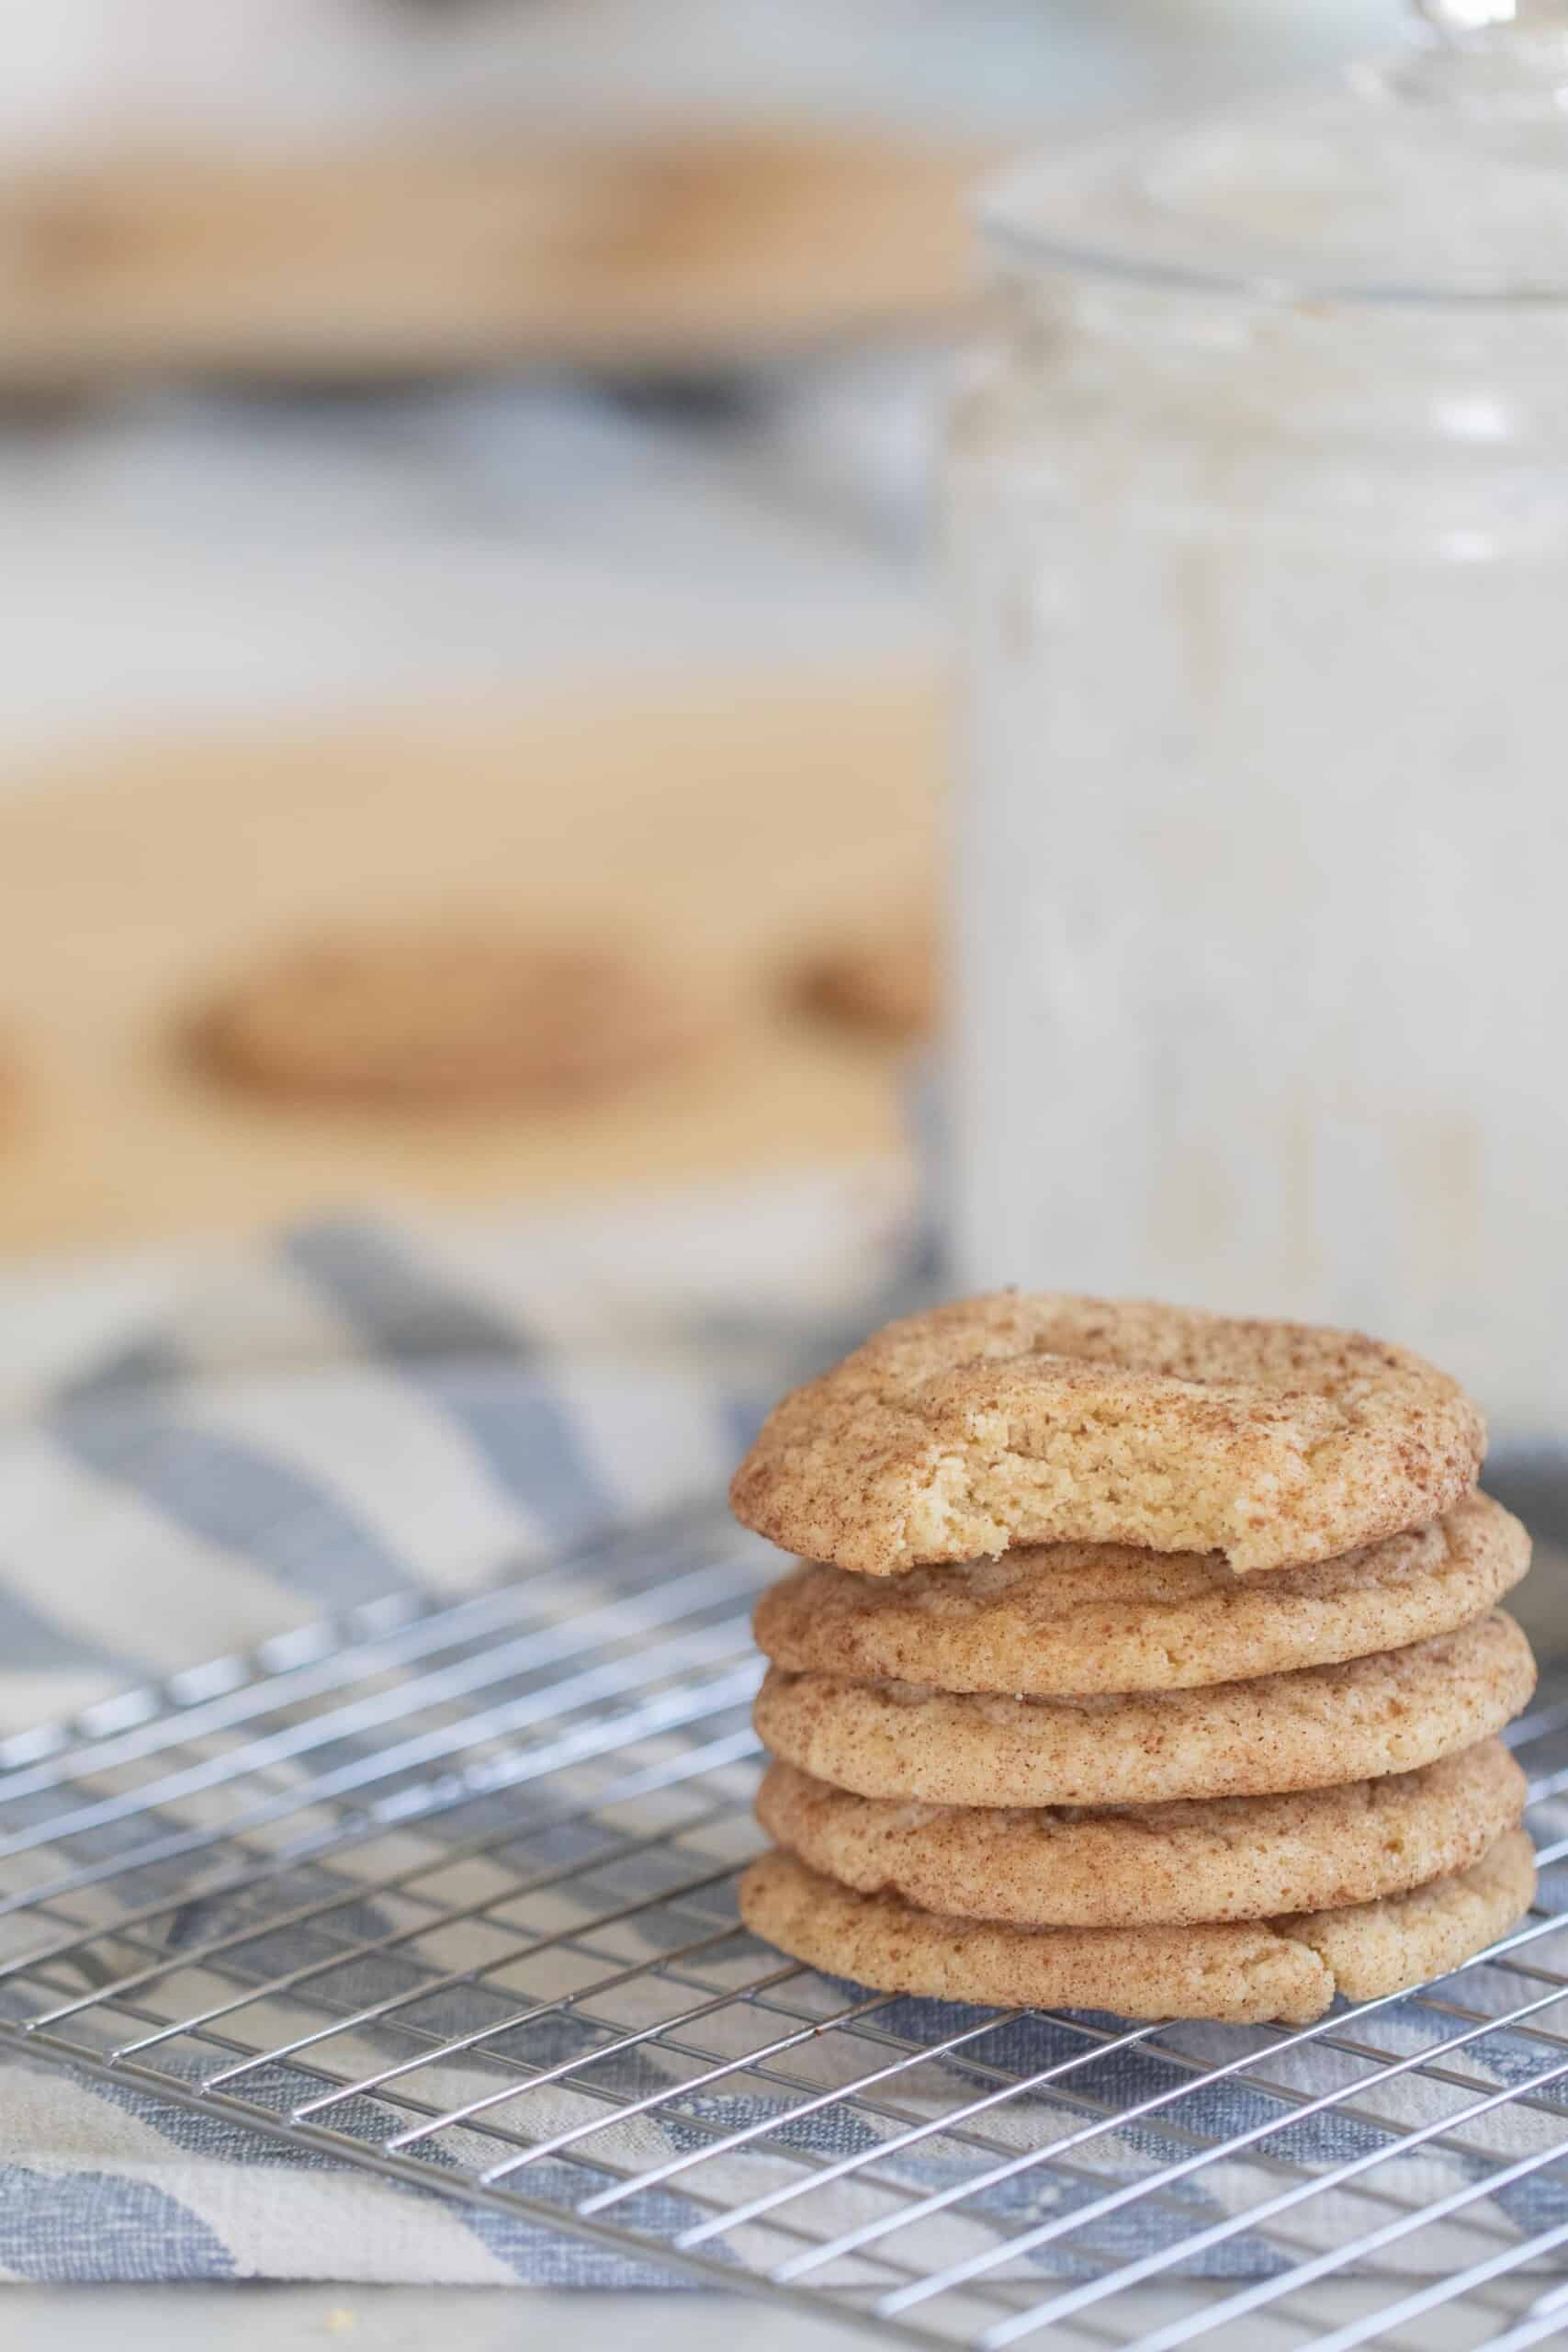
x=1154 y=1865
x=1244 y=1972
x=1023 y=1418
x=1091 y=1617
x=1309 y=1729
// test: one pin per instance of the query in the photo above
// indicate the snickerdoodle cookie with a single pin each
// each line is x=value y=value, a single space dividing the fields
x=1093 y=1617
x=1154 y=1865
x=448 y=1013
x=1042 y=1419
x=886 y=984
x=1289 y=1968
x=1390 y=1712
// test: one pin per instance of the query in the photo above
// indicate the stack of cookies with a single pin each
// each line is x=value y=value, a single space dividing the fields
x=1144 y=1660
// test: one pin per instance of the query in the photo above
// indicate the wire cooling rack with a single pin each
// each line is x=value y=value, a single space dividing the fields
x=448 y=1892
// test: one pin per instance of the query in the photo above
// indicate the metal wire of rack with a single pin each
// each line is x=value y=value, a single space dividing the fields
x=447 y=1892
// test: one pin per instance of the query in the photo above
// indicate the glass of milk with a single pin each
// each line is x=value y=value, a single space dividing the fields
x=1258 y=515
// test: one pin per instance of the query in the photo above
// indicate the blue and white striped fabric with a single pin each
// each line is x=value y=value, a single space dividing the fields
x=198 y=1454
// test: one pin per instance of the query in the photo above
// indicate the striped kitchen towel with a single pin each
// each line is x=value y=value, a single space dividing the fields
x=199 y=1453
x=200 y=1449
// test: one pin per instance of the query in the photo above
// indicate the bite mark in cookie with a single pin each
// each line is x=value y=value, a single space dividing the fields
x=1056 y=1618
x=1042 y=1419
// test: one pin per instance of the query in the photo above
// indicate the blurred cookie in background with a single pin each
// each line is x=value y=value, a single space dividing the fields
x=449 y=1014
x=886 y=984
x=13 y=1088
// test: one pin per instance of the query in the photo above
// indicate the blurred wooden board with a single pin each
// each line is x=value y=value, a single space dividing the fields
x=728 y=821
x=671 y=251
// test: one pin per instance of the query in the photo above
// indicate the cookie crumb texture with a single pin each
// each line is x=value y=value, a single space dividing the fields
x=1052 y=1619
x=1046 y=1418
x=449 y=1014
x=1284 y=1732
x=1287 y=1969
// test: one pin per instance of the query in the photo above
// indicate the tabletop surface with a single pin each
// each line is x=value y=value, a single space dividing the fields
x=512 y=2319
x=723 y=823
